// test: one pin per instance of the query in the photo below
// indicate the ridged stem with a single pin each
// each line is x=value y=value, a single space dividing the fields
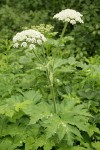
x=53 y=98
x=64 y=29
x=51 y=90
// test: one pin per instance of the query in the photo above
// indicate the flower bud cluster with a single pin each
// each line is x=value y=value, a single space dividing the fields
x=28 y=39
x=69 y=15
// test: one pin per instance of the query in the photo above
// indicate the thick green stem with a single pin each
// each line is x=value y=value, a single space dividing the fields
x=64 y=29
x=51 y=90
x=50 y=79
x=53 y=98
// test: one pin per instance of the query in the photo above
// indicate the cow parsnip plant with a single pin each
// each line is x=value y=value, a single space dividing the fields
x=41 y=102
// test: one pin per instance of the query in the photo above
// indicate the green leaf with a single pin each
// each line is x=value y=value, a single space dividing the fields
x=22 y=105
x=69 y=137
x=96 y=145
x=19 y=102
x=75 y=118
x=71 y=61
x=32 y=95
x=49 y=144
x=92 y=129
x=59 y=62
x=7 y=110
x=78 y=148
x=37 y=112
x=61 y=131
x=25 y=60
x=39 y=142
x=52 y=124
x=29 y=143
x=6 y=143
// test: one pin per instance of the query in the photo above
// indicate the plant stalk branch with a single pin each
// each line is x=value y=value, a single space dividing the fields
x=64 y=29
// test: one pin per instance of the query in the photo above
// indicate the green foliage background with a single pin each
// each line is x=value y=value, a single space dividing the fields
x=27 y=118
x=87 y=36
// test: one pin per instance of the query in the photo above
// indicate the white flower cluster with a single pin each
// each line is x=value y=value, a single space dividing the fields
x=28 y=39
x=69 y=15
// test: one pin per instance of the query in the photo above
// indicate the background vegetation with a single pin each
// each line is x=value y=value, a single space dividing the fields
x=24 y=89
x=30 y=14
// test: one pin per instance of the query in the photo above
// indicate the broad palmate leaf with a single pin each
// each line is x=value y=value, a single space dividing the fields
x=72 y=118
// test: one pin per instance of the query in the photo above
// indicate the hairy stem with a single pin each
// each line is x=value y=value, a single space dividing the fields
x=51 y=90
x=50 y=79
x=64 y=29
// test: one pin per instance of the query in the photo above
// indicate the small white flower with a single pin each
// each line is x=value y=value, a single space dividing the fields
x=73 y=22
x=15 y=45
x=43 y=38
x=28 y=37
x=24 y=44
x=15 y=39
x=33 y=40
x=67 y=19
x=39 y=41
x=69 y=15
x=31 y=46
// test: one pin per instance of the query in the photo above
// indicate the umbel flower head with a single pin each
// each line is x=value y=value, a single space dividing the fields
x=69 y=15
x=28 y=39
